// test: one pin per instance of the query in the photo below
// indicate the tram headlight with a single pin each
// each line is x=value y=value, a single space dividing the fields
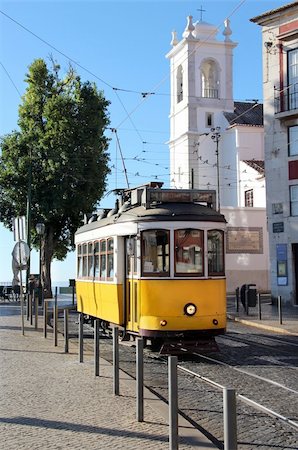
x=190 y=309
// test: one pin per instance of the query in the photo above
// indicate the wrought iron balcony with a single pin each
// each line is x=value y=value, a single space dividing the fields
x=286 y=100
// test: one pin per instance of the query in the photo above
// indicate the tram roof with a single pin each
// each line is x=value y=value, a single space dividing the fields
x=158 y=213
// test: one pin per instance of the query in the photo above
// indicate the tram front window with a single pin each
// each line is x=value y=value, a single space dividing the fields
x=155 y=253
x=189 y=252
x=215 y=253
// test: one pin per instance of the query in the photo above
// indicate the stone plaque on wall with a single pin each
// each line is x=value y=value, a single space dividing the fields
x=244 y=240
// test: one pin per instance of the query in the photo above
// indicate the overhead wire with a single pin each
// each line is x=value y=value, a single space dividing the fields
x=145 y=94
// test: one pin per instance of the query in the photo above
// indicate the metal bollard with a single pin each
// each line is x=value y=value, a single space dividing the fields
x=279 y=309
x=116 y=360
x=230 y=419
x=173 y=402
x=237 y=299
x=30 y=308
x=96 y=347
x=66 y=347
x=259 y=306
x=36 y=311
x=27 y=306
x=140 y=380
x=45 y=319
x=55 y=313
x=81 y=337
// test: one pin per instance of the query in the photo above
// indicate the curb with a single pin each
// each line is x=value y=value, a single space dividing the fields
x=260 y=325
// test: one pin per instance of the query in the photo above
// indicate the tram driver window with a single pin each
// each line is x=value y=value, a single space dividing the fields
x=215 y=253
x=189 y=252
x=155 y=253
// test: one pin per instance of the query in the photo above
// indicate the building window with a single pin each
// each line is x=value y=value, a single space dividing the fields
x=294 y=200
x=293 y=140
x=249 y=197
x=209 y=120
x=293 y=78
x=179 y=84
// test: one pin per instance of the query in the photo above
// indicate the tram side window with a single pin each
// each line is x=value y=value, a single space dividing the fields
x=155 y=253
x=216 y=252
x=80 y=262
x=90 y=260
x=96 y=259
x=85 y=260
x=189 y=245
x=103 y=259
x=110 y=258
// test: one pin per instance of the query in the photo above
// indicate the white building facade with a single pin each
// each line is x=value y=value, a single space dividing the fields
x=280 y=87
x=216 y=143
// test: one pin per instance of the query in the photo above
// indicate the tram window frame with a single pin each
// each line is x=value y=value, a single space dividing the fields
x=165 y=255
x=103 y=259
x=186 y=254
x=211 y=253
x=96 y=259
x=110 y=259
x=90 y=268
x=79 y=261
x=85 y=260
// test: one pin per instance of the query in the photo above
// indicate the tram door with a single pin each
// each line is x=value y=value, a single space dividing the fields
x=132 y=304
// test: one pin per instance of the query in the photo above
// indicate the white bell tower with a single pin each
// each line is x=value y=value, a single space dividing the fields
x=201 y=90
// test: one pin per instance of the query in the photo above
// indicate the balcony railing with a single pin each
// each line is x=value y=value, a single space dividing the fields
x=210 y=93
x=286 y=99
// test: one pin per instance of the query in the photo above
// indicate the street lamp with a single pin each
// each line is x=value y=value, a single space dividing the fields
x=40 y=229
x=215 y=136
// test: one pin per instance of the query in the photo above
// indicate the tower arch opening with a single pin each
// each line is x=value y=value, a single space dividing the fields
x=210 y=79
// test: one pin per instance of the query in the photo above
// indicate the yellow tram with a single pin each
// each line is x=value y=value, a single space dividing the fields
x=154 y=266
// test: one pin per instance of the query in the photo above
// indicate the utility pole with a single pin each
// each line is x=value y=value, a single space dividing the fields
x=215 y=136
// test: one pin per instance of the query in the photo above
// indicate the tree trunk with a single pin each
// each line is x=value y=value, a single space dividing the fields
x=47 y=250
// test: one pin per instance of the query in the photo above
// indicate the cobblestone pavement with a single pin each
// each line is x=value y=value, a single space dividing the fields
x=51 y=401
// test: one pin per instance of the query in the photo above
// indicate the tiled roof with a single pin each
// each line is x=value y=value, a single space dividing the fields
x=274 y=11
x=256 y=164
x=246 y=113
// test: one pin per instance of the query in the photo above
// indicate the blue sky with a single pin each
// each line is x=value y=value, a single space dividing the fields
x=121 y=46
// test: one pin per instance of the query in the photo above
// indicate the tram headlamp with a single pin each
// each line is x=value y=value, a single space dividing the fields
x=163 y=323
x=190 y=309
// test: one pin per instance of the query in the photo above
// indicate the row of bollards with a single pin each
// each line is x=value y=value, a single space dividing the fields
x=258 y=304
x=229 y=395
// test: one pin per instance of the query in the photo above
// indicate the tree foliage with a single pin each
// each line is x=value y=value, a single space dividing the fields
x=58 y=157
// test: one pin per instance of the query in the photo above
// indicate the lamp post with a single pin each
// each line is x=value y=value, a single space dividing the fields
x=40 y=229
x=215 y=136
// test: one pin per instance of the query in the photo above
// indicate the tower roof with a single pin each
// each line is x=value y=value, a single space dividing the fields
x=246 y=113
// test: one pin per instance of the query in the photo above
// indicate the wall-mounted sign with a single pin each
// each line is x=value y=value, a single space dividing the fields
x=244 y=240
x=282 y=264
x=278 y=227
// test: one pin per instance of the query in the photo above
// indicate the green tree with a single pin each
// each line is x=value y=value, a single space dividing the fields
x=58 y=156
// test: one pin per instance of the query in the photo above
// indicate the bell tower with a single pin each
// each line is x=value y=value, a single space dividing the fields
x=201 y=77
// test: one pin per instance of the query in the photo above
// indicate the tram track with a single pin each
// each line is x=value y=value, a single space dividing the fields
x=266 y=411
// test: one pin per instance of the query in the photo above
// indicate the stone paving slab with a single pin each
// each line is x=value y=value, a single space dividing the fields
x=51 y=401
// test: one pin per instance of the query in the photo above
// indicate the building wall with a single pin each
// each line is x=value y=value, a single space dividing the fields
x=279 y=35
x=247 y=248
